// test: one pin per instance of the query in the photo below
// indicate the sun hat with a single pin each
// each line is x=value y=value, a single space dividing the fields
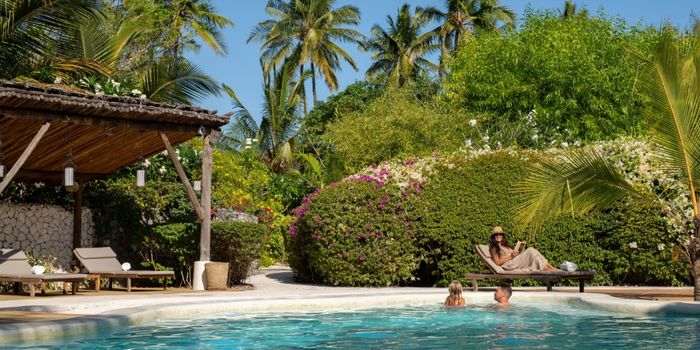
x=497 y=230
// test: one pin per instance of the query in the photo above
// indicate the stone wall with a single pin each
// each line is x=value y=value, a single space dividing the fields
x=43 y=230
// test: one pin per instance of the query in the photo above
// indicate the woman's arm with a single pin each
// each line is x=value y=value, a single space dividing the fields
x=500 y=260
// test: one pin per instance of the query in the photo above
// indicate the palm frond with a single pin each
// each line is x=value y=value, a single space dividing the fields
x=576 y=184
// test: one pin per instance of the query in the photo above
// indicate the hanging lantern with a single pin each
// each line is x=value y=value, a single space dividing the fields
x=69 y=172
x=197 y=185
x=140 y=177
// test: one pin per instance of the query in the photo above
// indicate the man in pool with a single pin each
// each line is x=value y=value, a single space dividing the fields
x=502 y=294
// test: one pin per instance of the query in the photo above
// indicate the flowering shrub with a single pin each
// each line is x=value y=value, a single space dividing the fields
x=438 y=208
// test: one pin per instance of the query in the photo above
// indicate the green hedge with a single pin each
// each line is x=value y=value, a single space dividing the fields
x=238 y=243
x=442 y=221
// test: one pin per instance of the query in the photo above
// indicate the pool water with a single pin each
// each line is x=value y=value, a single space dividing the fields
x=525 y=326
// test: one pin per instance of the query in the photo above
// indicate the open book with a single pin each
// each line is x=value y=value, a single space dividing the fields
x=520 y=246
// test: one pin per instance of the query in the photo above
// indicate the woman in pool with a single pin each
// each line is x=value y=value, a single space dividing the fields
x=455 y=298
x=507 y=258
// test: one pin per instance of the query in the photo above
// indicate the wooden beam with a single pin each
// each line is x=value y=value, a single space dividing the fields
x=53 y=177
x=205 y=233
x=77 y=216
x=101 y=121
x=183 y=178
x=23 y=158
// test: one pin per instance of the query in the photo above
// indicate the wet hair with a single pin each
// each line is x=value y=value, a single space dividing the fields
x=455 y=288
x=494 y=244
x=505 y=288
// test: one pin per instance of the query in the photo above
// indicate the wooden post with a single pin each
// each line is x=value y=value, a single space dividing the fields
x=77 y=216
x=183 y=178
x=23 y=158
x=205 y=239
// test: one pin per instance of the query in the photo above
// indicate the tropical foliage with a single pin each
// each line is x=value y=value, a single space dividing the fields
x=411 y=222
x=399 y=51
x=308 y=31
x=583 y=83
x=672 y=86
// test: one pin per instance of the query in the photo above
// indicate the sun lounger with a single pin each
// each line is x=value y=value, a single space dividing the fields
x=14 y=267
x=102 y=262
x=549 y=277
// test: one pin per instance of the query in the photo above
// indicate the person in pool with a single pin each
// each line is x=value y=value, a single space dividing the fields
x=502 y=295
x=455 y=298
x=504 y=256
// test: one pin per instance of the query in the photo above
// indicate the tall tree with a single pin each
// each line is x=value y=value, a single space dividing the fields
x=586 y=180
x=279 y=120
x=308 y=31
x=191 y=19
x=462 y=18
x=399 y=51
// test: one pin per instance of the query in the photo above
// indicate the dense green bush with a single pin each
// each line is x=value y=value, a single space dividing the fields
x=579 y=74
x=239 y=244
x=397 y=124
x=172 y=247
x=450 y=204
x=355 y=233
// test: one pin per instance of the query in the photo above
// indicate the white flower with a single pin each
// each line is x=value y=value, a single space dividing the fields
x=177 y=151
x=116 y=84
x=577 y=143
x=468 y=143
x=486 y=138
x=99 y=93
x=661 y=246
x=146 y=163
x=164 y=153
x=472 y=122
x=632 y=245
x=255 y=140
x=98 y=86
x=535 y=137
x=248 y=141
x=247 y=147
x=143 y=97
x=57 y=80
x=498 y=144
x=162 y=169
x=564 y=144
x=136 y=92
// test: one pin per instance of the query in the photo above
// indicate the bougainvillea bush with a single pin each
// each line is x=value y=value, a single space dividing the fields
x=417 y=221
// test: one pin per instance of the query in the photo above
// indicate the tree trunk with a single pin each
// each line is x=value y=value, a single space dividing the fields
x=313 y=81
x=303 y=89
x=695 y=259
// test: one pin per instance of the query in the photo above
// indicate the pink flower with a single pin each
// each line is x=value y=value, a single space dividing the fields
x=363 y=258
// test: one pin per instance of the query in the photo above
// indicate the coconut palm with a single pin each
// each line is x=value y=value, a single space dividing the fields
x=279 y=122
x=399 y=51
x=463 y=18
x=30 y=32
x=585 y=181
x=194 y=19
x=308 y=31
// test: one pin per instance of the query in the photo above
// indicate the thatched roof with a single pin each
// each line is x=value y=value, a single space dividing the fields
x=105 y=133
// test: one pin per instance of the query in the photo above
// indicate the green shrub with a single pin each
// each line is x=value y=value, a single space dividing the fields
x=456 y=202
x=355 y=233
x=172 y=247
x=239 y=244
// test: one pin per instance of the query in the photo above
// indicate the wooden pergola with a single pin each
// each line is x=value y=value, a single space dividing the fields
x=41 y=124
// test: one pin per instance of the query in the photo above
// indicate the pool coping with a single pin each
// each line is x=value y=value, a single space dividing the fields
x=276 y=296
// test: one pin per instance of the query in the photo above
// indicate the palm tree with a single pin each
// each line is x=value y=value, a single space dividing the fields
x=399 y=50
x=192 y=19
x=308 y=31
x=29 y=34
x=279 y=123
x=463 y=18
x=585 y=180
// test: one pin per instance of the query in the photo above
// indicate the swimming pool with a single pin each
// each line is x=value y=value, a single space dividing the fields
x=480 y=326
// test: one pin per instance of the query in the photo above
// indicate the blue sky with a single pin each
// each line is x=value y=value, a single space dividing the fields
x=241 y=69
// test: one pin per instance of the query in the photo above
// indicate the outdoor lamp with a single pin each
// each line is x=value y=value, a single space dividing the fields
x=2 y=169
x=197 y=185
x=69 y=172
x=140 y=177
